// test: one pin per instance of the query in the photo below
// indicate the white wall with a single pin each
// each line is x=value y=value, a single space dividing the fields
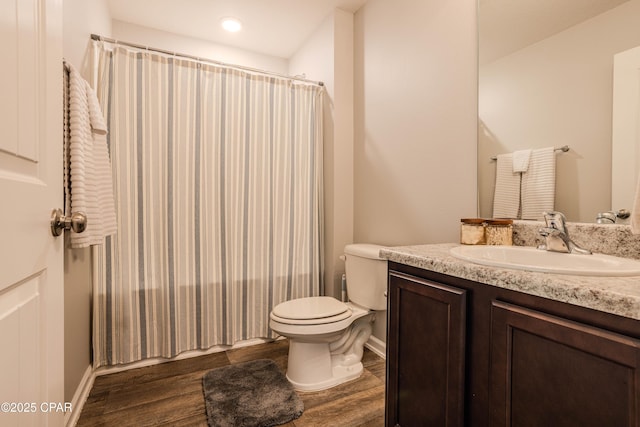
x=553 y=93
x=327 y=56
x=416 y=120
x=191 y=46
x=81 y=18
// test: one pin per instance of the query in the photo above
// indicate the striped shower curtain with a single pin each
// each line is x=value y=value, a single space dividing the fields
x=218 y=187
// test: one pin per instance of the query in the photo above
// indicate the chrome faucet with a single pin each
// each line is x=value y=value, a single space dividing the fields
x=557 y=236
x=611 y=217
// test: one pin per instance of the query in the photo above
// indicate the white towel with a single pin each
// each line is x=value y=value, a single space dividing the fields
x=90 y=180
x=539 y=184
x=635 y=210
x=521 y=160
x=506 y=199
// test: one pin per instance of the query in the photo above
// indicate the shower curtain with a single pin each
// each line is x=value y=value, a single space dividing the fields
x=218 y=187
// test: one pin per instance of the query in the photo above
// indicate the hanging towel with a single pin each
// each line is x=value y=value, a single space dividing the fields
x=521 y=160
x=90 y=182
x=506 y=199
x=539 y=184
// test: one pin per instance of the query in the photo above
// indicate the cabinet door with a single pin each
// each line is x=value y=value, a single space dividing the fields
x=425 y=353
x=549 y=371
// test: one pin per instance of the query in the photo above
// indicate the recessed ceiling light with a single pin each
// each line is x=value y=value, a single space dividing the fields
x=231 y=24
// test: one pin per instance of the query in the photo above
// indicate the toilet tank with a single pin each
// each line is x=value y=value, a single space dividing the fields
x=366 y=275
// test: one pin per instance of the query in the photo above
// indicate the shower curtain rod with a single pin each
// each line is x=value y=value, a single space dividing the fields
x=199 y=59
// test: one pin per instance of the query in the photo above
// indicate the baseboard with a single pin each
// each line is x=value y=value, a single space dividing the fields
x=80 y=397
x=378 y=346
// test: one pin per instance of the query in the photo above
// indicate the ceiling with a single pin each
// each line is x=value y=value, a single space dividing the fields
x=279 y=27
x=507 y=25
x=272 y=27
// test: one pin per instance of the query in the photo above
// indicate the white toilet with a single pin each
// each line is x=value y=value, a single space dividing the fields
x=327 y=336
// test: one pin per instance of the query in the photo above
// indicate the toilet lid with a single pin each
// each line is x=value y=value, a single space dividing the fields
x=310 y=308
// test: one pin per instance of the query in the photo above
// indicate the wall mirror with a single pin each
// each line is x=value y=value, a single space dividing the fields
x=546 y=79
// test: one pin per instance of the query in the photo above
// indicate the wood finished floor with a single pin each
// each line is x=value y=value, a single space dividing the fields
x=170 y=394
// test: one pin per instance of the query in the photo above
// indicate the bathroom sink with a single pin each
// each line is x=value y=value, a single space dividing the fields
x=533 y=259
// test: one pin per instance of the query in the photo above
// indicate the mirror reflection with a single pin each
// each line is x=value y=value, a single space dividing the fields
x=546 y=80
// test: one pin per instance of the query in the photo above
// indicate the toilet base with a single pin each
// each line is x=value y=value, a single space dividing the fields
x=312 y=368
x=315 y=366
x=341 y=374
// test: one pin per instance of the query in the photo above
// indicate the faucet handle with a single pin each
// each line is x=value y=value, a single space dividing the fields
x=554 y=214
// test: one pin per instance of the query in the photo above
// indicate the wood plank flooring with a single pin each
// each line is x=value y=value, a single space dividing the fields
x=171 y=393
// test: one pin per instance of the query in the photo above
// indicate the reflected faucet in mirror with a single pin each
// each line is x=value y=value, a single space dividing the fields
x=610 y=217
x=557 y=237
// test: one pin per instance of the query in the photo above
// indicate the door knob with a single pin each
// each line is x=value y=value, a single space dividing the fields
x=77 y=222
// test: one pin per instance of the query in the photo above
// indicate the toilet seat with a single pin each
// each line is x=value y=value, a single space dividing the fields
x=311 y=311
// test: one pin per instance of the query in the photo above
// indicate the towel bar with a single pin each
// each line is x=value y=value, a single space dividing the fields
x=564 y=149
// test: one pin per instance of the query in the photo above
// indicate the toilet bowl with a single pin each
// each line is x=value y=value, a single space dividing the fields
x=327 y=336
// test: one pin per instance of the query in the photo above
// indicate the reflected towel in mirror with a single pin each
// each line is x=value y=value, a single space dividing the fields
x=539 y=184
x=521 y=160
x=506 y=200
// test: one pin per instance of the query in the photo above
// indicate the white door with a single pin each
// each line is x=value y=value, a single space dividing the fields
x=625 y=128
x=31 y=264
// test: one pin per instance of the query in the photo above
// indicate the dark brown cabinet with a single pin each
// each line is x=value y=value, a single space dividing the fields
x=548 y=371
x=426 y=352
x=461 y=353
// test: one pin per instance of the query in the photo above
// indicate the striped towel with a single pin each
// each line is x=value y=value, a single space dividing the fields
x=539 y=184
x=506 y=199
x=90 y=181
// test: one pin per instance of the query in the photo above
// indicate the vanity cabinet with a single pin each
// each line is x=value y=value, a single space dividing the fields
x=426 y=352
x=546 y=370
x=462 y=353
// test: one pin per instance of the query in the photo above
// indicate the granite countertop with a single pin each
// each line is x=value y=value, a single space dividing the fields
x=616 y=295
